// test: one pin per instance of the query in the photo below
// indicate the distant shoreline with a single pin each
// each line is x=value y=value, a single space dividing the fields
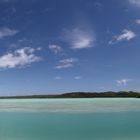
x=109 y=94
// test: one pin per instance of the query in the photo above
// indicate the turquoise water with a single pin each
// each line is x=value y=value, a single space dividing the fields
x=70 y=119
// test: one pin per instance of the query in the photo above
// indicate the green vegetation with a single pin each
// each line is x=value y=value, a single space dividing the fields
x=109 y=94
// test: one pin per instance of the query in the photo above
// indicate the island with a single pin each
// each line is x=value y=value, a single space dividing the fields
x=108 y=94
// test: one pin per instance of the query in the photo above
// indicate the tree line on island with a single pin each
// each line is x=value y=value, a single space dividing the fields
x=108 y=94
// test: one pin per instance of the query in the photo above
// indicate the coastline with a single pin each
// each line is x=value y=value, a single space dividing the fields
x=110 y=94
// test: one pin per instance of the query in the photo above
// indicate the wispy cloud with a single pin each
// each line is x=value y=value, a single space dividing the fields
x=138 y=21
x=6 y=32
x=135 y=2
x=66 y=63
x=126 y=35
x=20 y=57
x=122 y=82
x=7 y=1
x=94 y=5
x=98 y=5
x=55 y=48
x=79 y=38
x=77 y=77
x=58 y=78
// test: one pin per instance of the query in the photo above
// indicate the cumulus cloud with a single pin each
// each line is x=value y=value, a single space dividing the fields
x=123 y=82
x=20 y=57
x=135 y=2
x=79 y=39
x=66 y=63
x=5 y=32
x=55 y=48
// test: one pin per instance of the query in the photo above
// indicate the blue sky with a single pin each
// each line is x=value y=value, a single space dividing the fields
x=57 y=46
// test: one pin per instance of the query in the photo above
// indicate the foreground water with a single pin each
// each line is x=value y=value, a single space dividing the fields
x=70 y=119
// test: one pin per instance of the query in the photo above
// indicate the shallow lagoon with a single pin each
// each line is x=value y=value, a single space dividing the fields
x=70 y=119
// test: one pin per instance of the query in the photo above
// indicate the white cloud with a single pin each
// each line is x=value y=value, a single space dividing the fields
x=66 y=63
x=126 y=35
x=77 y=77
x=138 y=21
x=5 y=32
x=55 y=48
x=20 y=57
x=80 y=39
x=123 y=82
x=135 y=2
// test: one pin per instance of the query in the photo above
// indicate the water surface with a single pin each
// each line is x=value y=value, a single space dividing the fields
x=70 y=105
x=70 y=119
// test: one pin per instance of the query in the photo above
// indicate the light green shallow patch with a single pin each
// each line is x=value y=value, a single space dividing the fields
x=70 y=105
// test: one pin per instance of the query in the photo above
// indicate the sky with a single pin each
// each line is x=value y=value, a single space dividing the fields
x=58 y=46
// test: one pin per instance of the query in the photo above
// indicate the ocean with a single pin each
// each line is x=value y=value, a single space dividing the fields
x=70 y=119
